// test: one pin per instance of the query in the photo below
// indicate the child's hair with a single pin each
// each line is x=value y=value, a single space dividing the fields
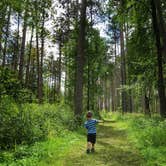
x=89 y=114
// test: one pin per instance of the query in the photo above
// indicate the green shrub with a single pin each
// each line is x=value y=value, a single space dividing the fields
x=149 y=136
x=27 y=123
x=151 y=132
x=11 y=86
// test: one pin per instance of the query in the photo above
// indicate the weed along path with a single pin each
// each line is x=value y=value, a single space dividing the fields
x=112 y=149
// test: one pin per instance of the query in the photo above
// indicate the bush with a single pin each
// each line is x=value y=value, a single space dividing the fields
x=27 y=123
x=151 y=132
x=11 y=86
x=149 y=135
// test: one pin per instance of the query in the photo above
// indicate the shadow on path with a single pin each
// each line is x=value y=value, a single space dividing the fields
x=112 y=149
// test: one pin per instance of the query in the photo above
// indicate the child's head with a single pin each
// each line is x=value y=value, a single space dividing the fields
x=89 y=115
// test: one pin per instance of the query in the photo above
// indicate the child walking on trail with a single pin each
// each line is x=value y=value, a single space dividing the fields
x=90 y=125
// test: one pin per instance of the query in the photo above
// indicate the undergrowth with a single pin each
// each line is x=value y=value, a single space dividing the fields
x=28 y=123
x=40 y=153
x=31 y=132
x=148 y=135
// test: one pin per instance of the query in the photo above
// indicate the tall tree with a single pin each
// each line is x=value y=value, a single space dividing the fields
x=6 y=35
x=161 y=86
x=123 y=59
x=22 y=51
x=16 y=44
x=39 y=70
x=78 y=102
x=27 y=77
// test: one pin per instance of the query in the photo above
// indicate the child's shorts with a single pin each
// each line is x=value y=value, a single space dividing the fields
x=91 y=138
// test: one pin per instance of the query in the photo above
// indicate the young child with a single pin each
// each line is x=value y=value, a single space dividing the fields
x=90 y=125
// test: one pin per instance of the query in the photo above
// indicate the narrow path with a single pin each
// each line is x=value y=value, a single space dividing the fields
x=112 y=149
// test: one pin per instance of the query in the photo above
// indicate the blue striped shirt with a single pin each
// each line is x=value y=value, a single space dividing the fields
x=90 y=125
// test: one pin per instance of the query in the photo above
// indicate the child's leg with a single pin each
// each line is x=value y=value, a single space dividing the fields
x=93 y=145
x=89 y=145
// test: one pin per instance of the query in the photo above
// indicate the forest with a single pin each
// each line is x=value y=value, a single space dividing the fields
x=60 y=59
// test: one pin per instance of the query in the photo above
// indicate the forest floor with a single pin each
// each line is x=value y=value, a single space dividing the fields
x=112 y=149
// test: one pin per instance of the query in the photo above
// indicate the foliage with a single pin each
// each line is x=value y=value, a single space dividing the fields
x=27 y=123
x=11 y=86
x=148 y=134
x=151 y=136
x=40 y=153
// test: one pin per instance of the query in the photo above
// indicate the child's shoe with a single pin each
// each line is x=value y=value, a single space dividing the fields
x=88 y=151
x=92 y=150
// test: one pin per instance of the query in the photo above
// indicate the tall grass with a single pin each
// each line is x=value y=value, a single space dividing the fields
x=28 y=123
x=42 y=153
x=148 y=135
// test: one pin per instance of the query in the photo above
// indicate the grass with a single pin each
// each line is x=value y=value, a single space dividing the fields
x=112 y=149
x=50 y=152
x=117 y=145
x=147 y=134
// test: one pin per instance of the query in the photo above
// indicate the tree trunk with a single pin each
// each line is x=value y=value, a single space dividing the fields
x=2 y=25
x=42 y=56
x=16 y=49
x=66 y=79
x=88 y=59
x=22 y=51
x=113 y=93
x=123 y=71
x=39 y=86
x=147 y=106
x=32 y=78
x=59 y=69
x=0 y=42
x=105 y=89
x=123 y=62
x=130 y=101
x=29 y=59
x=78 y=102
x=161 y=87
x=88 y=86
x=161 y=25
x=6 y=37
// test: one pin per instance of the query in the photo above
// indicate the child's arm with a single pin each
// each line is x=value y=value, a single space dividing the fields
x=100 y=121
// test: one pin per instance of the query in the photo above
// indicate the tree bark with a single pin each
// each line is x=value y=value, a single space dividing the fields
x=78 y=102
x=123 y=71
x=16 y=52
x=29 y=59
x=161 y=86
x=147 y=106
x=39 y=74
x=59 y=69
x=0 y=42
x=40 y=83
x=161 y=24
x=113 y=93
x=123 y=63
x=2 y=25
x=22 y=51
x=6 y=37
